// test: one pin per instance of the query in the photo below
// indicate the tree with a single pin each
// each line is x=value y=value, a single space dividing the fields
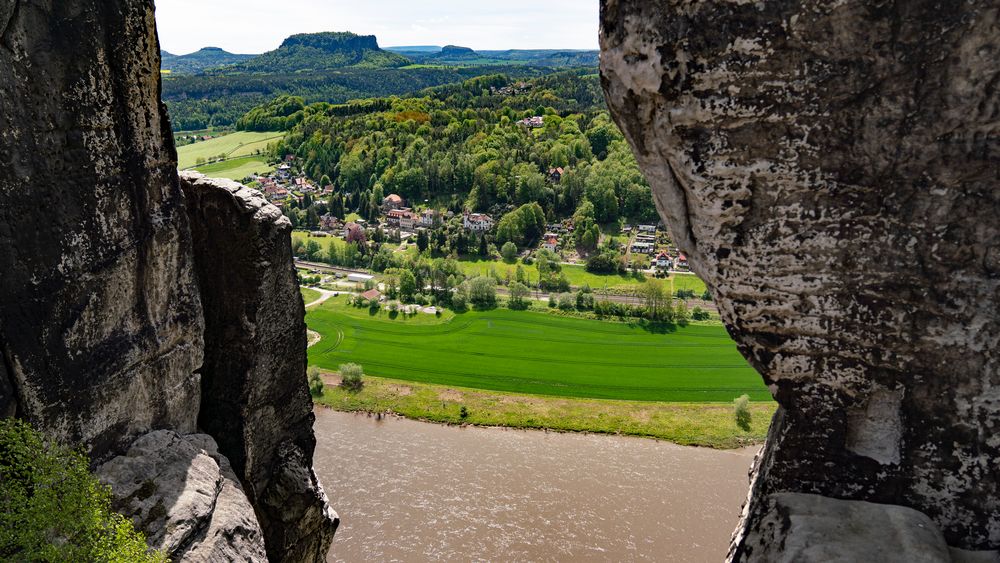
x=518 y=294
x=484 y=248
x=315 y=382
x=407 y=285
x=483 y=292
x=53 y=509
x=423 y=241
x=351 y=377
x=741 y=410
x=509 y=251
x=657 y=301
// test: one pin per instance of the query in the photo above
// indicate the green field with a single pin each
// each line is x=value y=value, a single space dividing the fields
x=234 y=145
x=323 y=242
x=578 y=276
x=237 y=168
x=539 y=354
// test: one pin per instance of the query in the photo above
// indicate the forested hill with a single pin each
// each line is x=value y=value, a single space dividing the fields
x=323 y=51
x=220 y=99
x=201 y=60
x=465 y=146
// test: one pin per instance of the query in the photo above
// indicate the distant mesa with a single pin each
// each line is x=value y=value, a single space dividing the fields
x=455 y=50
x=324 y=51
x=200 y=61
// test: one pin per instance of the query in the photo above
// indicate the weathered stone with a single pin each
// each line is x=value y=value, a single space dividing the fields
x=255 y=398
x=800 y=528
x=831 y=170
x=966 y=556
x=100 y=324
x=185 y=496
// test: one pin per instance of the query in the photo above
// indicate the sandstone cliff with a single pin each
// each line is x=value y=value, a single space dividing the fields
x=115 y=321
x=831 y=168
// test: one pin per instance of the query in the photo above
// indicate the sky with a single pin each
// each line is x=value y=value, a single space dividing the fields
x=256 y=26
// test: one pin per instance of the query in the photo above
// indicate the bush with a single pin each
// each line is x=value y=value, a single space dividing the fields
x=707 y=296
x=464 y=413
x=53 y=509
x=483 y=292
x=509 y=251
x=553 y=302
x=684 y=294
x=741 y=409
x=315 y=382
x=700 y=314
x=567 y=302
x=351 y=377
x=603 y=263
x=459 y=302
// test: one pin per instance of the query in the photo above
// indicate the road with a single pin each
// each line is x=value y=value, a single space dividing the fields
x=325 y=295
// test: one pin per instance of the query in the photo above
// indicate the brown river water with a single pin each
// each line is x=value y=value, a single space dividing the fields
x=413 y=491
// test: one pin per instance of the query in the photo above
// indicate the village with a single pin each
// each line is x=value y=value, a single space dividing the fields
x=646 y=248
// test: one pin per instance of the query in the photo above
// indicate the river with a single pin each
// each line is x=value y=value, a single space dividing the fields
x=413 y=491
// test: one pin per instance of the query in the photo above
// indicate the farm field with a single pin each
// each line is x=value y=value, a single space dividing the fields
x=234 y=145
x=538 y=354
x=237 y=168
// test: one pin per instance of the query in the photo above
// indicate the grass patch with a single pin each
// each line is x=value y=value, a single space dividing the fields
x=237 y=168
x=710 y=425
x=538 y=354
x=233 y=145
x=309 y=295
x=323 y=242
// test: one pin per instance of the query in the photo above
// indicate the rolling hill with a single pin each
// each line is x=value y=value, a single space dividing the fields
x=201 y=60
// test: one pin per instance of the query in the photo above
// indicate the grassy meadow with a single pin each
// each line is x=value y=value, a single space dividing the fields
x=537 y=353
x=237 y=168
x=233 y=146
x=693 y=424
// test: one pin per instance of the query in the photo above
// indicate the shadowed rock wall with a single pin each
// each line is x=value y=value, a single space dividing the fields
x=254 y=395
x=107 y=303
x=831 y=169
x=100 y=319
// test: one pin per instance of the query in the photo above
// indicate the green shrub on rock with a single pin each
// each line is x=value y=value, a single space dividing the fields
x=53 y=509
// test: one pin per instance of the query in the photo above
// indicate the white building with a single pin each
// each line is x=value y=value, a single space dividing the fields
x=477 y=222
x=359 y=278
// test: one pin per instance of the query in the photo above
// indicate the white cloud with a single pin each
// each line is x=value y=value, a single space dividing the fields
x=255 y=26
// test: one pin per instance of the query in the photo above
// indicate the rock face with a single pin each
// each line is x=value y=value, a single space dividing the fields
x=108 y=304
x=100 y=320
x=813 y=529
x=184 y=491
x=254 y=395
x=831 y=170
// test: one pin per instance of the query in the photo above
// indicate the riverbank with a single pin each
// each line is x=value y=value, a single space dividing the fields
x=692 y=424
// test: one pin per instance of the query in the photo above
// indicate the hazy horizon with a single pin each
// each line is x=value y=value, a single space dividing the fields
x=255 y=26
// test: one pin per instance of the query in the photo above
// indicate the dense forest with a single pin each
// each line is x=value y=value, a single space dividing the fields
x=220 y=99
x=464 y=146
